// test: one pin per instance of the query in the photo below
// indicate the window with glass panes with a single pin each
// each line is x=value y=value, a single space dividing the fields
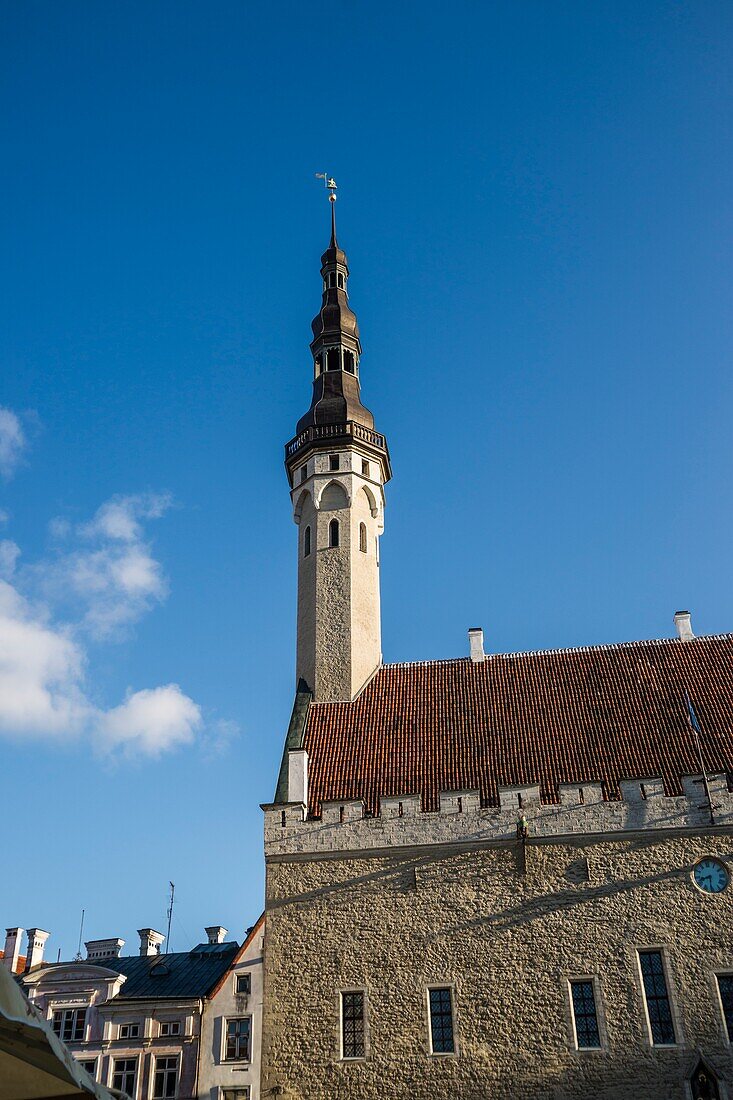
x=725 y=986
x=89 y=1064
x=657 y=998
x=69 y=1024
x=238 y=1035
x=353 y=1043
x=236 y=1094
x=164 y=1079
x=441 y=1021
x=585 y=1014
x=123 y=1075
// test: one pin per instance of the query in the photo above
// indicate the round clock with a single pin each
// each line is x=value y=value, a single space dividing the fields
x=711 y=875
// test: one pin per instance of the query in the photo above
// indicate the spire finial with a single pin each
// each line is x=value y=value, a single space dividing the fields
x=330 y=183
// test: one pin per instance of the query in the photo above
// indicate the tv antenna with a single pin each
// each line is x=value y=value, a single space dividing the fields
x=77 y=956
x=170 y=916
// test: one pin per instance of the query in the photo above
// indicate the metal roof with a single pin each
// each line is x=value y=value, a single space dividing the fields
x=180 y=974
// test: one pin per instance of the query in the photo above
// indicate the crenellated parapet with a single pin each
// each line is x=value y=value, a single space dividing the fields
x=582 y=810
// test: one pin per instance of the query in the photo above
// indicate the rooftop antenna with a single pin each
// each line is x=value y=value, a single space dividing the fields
x=77 y=956
x=170 y=916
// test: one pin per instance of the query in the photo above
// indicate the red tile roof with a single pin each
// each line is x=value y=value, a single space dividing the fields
x=19 y=966
x=600 y=713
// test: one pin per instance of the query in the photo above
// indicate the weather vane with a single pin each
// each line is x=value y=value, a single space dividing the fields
x=328 y=182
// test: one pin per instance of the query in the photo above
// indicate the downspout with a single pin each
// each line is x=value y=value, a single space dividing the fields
x=198 y=1052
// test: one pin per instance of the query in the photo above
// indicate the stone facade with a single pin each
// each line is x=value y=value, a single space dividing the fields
x=339 y=638
x=396 y=904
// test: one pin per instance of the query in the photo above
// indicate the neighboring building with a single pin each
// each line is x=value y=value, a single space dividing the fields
x=231 y=1029
x=500 y=876
x=134 y=1022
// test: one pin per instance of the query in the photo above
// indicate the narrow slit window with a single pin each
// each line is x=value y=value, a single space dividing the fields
x=303 y=473
x=363 y=538
x=656 y=995
x=333 y=533
x=353 y=1038
x=585 y=1014
x=319 y=365
x=441 y=1022
x=725 y=988
x=364 y=467
x=306 y=542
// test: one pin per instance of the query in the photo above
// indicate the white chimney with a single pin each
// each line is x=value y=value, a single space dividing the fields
x=12 y=948
x=684 y=625
x=150 y=941
x=34 y=951
x=103 y=949
x=298 y=776
x=476 y=643
x=216 y=933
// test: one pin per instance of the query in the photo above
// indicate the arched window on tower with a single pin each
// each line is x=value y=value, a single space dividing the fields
x=363 y=538
x=306 y=542
x=341 y=281
x=319 y=365
x=333 y=533
x=332 y=279
x=349 y=361
x=333 y=359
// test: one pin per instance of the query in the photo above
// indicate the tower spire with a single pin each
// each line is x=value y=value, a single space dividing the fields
x=337 y=466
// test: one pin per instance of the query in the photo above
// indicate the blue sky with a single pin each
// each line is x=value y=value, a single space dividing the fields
x=535 y=201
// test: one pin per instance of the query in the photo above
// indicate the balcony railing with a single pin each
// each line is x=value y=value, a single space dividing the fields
x=335 y=431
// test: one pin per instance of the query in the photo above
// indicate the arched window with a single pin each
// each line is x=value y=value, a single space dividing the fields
x=349 y=361
x=341 y=281
x=333 y=533
x=332 y=278
x=362 y=538
x=333 y=359
x=306 y=542
x=319 y=365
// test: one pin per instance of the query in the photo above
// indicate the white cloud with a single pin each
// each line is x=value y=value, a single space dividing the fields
x=41 y=668
x=12 y=442
x=152 y=721
x=9 y=554
x=43 y=660
x=116 y=579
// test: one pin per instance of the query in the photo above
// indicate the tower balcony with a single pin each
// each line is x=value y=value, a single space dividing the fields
x=330 y=434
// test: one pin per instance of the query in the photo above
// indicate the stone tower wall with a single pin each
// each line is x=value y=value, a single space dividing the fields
x=338 y=635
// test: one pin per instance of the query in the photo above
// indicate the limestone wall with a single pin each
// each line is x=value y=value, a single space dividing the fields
x=395 y=904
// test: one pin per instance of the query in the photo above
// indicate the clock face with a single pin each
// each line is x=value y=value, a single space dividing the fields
x=711 y=875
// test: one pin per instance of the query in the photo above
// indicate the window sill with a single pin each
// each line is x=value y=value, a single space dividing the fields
x=443 y=1053
x=350 y=1061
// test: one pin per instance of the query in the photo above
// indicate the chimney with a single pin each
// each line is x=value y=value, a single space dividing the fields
x=98 y=950
x=684 y=626
x=36 y=943
x=12 y=948
x=298 y=776
x=150 y=941
x=476 y=642
x=216 y=933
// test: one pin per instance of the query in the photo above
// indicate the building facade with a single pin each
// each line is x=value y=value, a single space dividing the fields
x=507 y=875
x=174 y=1026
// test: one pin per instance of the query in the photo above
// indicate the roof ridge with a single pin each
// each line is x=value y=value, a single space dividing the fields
x=601 y=648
